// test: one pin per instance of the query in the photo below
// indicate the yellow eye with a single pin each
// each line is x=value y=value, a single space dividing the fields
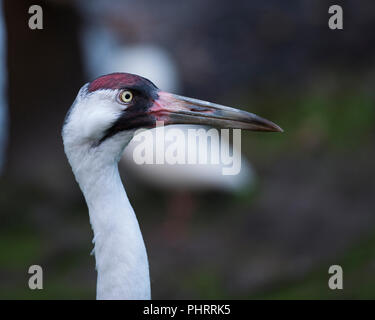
x=126 y=96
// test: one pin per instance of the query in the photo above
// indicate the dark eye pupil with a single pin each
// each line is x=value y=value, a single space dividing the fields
x=127 y=96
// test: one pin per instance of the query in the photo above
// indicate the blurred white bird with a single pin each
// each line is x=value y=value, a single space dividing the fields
x=104 y=54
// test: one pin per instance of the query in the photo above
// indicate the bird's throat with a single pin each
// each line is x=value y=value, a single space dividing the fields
x=121 y=258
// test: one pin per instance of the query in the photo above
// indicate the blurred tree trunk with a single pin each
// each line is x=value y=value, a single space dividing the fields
x=45 y=73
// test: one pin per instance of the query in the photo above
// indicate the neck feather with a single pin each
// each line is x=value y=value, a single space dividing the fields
x=121 y=258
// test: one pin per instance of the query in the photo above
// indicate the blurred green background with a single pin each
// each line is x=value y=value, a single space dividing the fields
x=312 y=203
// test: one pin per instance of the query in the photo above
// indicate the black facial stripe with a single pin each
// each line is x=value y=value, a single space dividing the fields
x=143 y=90
x=135 y=116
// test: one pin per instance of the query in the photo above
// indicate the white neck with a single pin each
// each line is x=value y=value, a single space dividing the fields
x=121 y=258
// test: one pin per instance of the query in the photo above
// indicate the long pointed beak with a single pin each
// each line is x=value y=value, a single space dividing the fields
x=175 y=109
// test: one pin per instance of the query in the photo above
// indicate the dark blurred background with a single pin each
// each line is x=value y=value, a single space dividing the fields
x=312 y=204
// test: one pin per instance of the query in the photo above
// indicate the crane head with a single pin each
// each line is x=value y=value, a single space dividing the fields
x=120 y=103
